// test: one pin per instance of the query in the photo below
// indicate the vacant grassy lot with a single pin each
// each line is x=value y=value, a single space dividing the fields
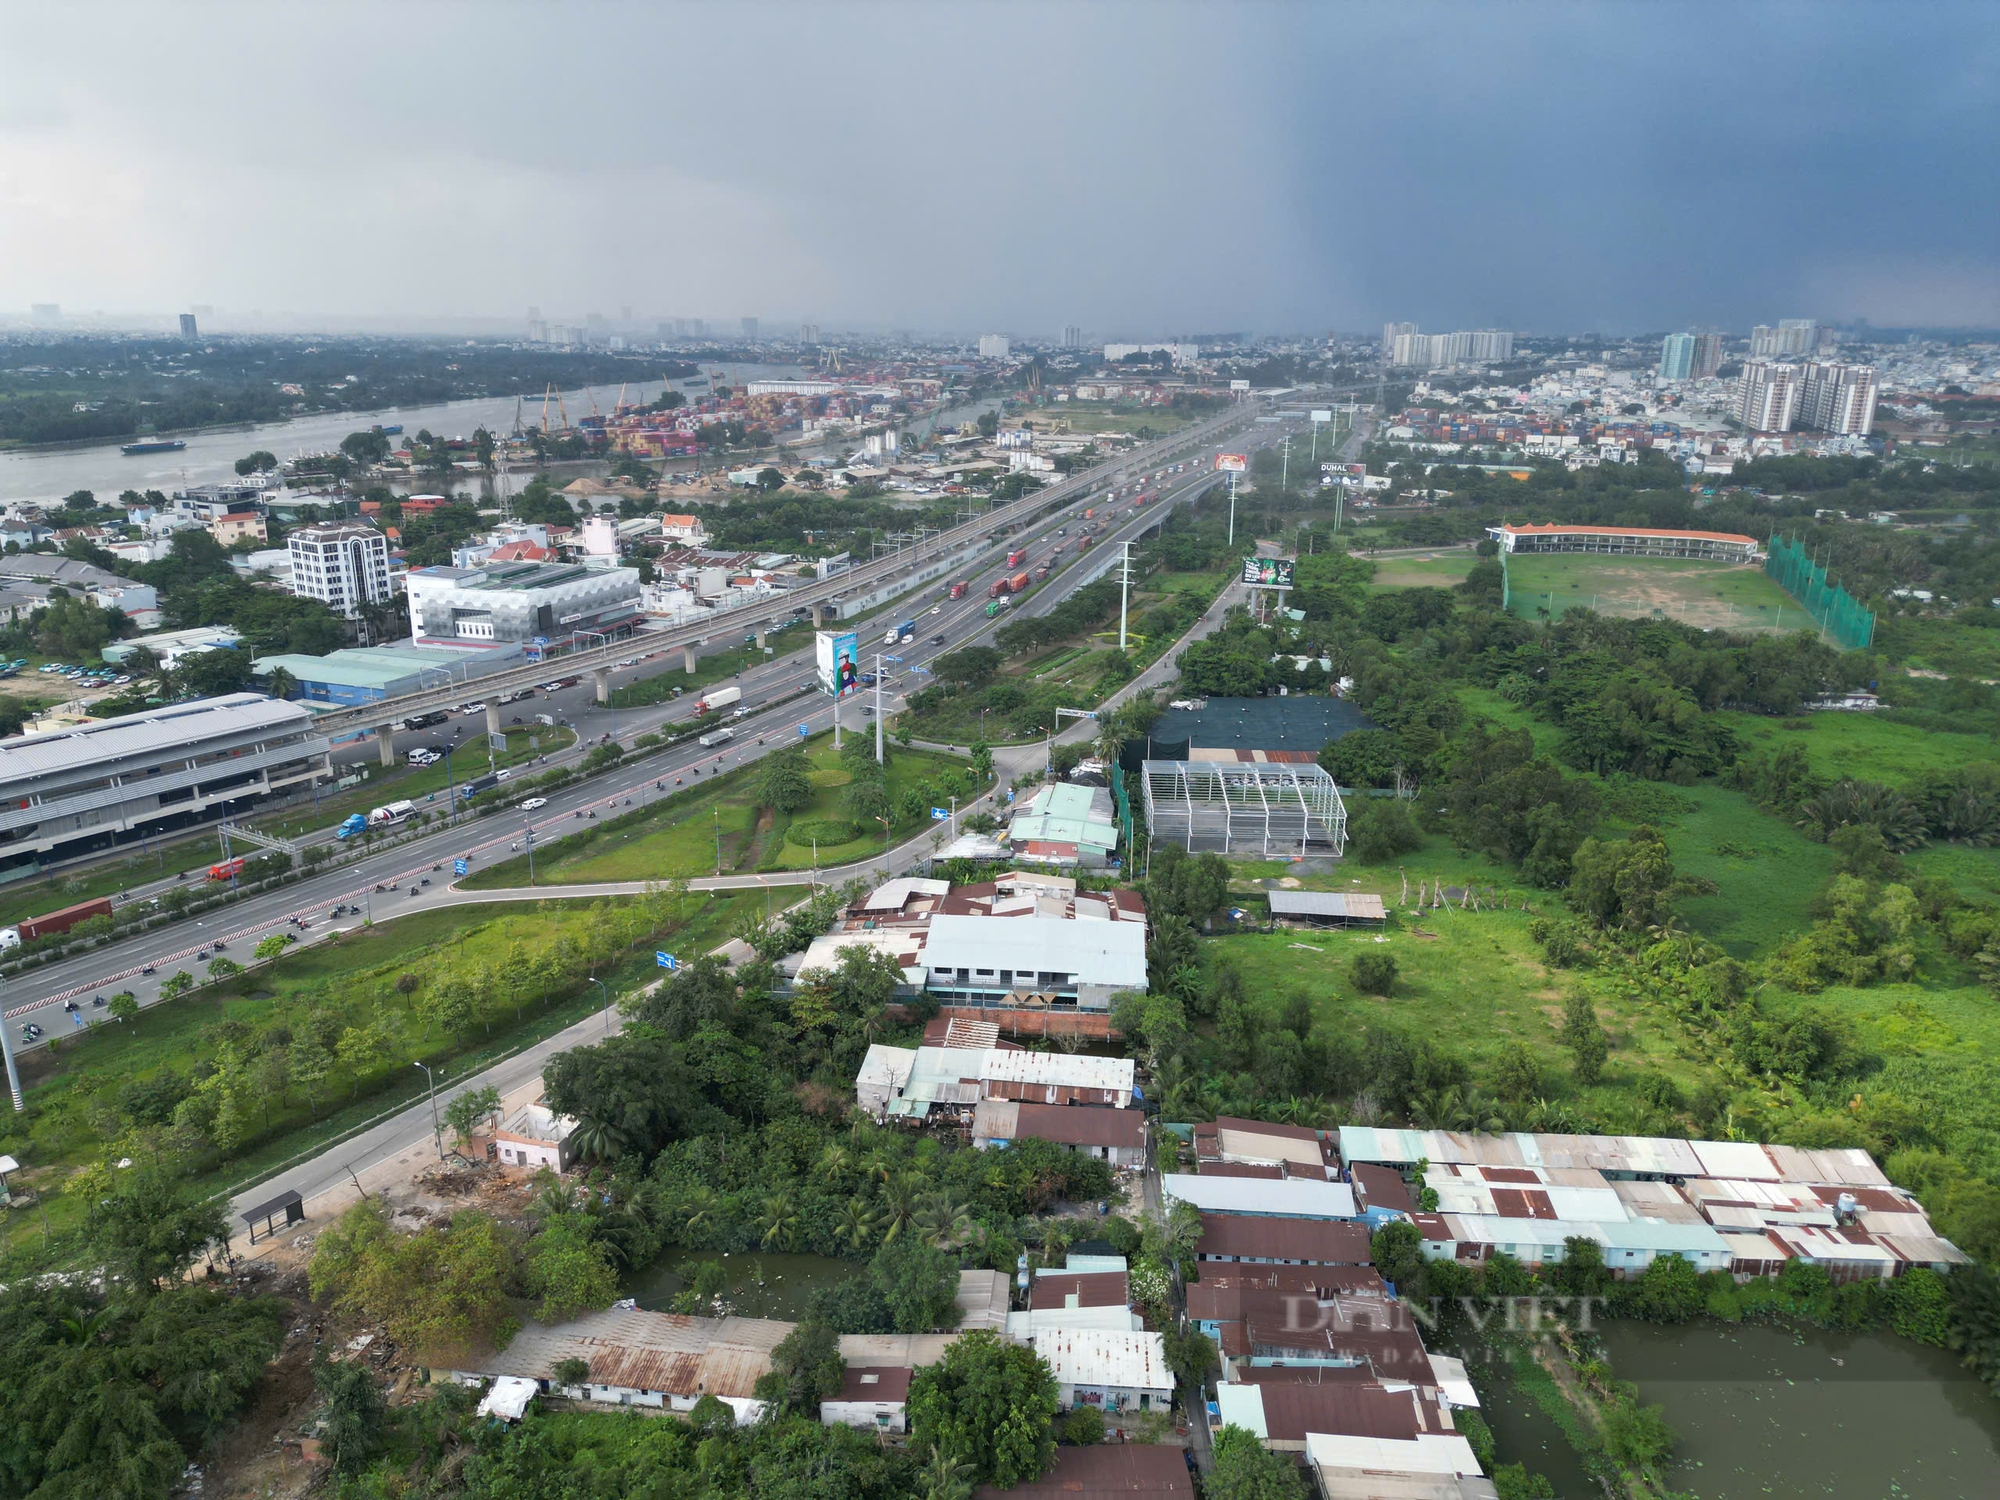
x=677 y=838
x=1948 y=646
x=81 y=1098
x=1866 y=747
x=1717 y=596
x=1435 y=570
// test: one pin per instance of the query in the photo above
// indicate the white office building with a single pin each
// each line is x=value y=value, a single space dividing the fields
x=516 y=604
x=994 y=345
x=1677 y=356
x=343 y=564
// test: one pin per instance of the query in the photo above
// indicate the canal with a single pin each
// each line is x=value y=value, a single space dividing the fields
x=1766 y=1411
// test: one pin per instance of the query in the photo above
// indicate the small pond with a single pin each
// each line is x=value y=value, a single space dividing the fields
x=758 y=1284
x=1778 y=1412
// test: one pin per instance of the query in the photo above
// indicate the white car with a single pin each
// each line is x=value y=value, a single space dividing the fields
x=534 y=802
x=473 y=708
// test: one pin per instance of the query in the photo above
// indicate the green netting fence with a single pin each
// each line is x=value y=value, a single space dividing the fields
x=1124 y=804
x=1839 y=614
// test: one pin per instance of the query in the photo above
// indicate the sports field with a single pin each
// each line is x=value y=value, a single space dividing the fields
x=1718 y=596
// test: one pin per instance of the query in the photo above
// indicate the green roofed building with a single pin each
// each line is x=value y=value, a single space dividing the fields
x=1065 y=825
x=367 y=674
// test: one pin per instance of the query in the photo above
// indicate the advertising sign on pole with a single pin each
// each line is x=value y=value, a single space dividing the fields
x=1239 y=385
x=1322 y=416
x=1232 y=463
x=839 y=662
x=1267 y=572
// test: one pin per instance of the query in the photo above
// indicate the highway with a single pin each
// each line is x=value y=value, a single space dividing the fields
x=379 y=884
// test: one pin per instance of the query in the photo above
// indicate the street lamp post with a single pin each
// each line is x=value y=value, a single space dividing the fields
x=717 y=812
x=529 y=838
x=437 y=1130
x=606 y=993
x=885 y=846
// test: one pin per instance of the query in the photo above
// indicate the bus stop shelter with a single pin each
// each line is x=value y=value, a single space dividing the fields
x=288 y=1205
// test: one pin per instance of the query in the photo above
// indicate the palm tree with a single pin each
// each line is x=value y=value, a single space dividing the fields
x=835 y=1162
x=857 y=1224
x=898 y=1203
x=943 y=1221
x=702 y=1205
x=595 y=1139
x=1056 y=1237
x=778 y=1223
x=281 y=683
x=943 y=1477
x=555 y=1198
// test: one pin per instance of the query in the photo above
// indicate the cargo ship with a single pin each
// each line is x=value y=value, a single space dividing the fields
x=153 y=445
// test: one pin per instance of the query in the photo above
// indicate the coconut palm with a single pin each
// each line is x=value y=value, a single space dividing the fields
x=778 y=1223
x=898 y=1203
x=702 y=1206
x=835 y=1162
x=1057 y=1235
x=943 y=1477
x=596 y=1140
x=943 y=1221
x=857 y=1224
x=281 y=683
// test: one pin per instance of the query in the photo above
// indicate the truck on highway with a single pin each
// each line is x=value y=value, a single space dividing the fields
x=355 y=823
x=53 y=923
x=716 y=698
x=717 y=737
x=1015 y=557
x=1018 y=584
x=227 y=869
x=996 y=588
x=391 y=815
x=995 y=607
x=958 y=589
x=907 y=631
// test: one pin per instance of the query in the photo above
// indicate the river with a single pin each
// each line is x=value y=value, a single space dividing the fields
x=1766 y=1411
x=46 y=475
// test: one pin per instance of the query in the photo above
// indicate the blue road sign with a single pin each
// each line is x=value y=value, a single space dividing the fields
x=938 y=815
x=459 y=867
x=665 y=960
x=805 y=730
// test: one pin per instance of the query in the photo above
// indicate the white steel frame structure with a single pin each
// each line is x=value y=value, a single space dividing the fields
x=1275 y=807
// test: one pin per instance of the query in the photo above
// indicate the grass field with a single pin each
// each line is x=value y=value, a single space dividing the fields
x=1957 y=650
x=1717 y=596
x=74 y=1093
x=677 y=838
x=1088 y=418
x=1871 y=747
x=1436 y=570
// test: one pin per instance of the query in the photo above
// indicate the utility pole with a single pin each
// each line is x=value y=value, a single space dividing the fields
x=1232 y=507
x=1125 y=589
x=878 y=708
x=1285 y=474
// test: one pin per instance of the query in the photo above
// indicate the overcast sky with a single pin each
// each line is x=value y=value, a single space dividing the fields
x=1147 y=170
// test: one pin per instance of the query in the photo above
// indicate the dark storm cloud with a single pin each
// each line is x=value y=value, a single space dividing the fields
x=1141 y=169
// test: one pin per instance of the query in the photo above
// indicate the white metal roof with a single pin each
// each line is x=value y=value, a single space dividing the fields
x=1058 y=1069
x=1097 y=953
x=1427 y=1453
x=1287 y=1198
x=892 y=894
x=183 y=726
x=1106 y=1357
x=887 y=1067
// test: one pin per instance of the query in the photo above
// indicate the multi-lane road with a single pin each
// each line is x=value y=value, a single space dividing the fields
x=777 y=698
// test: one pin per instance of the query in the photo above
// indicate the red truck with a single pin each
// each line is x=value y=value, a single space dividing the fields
x=227 y=869
x=996 y=588
x=1016 y=557
x=1084 y=545
x=958 y=590
x=56 y=922
x=1018 y=584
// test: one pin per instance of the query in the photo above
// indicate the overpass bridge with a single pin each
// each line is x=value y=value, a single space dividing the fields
x=820 y=598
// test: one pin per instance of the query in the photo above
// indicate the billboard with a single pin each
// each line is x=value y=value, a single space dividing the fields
x=1232 y=463
x=1322 y=416
x=839 y=662
x=1239 y=385
x=1267 y=572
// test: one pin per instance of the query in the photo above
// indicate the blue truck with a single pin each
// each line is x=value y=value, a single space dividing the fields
x=354 y=824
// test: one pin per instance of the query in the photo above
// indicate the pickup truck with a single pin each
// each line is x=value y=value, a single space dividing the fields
x=356 y=823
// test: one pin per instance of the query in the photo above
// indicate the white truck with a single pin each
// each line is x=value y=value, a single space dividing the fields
x=717 y=737
x=716 y=698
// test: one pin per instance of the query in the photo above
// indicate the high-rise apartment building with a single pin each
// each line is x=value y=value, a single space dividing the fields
x=1433 y=351
x=188 y=328
x=808 y=333
x=1707 y=355
x=1791 y=336
x=1838 y=398
x=1767 y=398
x=1393 y=331
x=994 y=345
x=344 y=564
x=750 y=329
x=1677 y=356
x=1072 y=337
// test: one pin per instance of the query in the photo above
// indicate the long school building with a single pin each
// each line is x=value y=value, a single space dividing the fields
x=1627 y=541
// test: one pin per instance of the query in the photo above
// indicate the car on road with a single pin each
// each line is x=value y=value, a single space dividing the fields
x=937 y=640
x=534 y=802
x=473 y=708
